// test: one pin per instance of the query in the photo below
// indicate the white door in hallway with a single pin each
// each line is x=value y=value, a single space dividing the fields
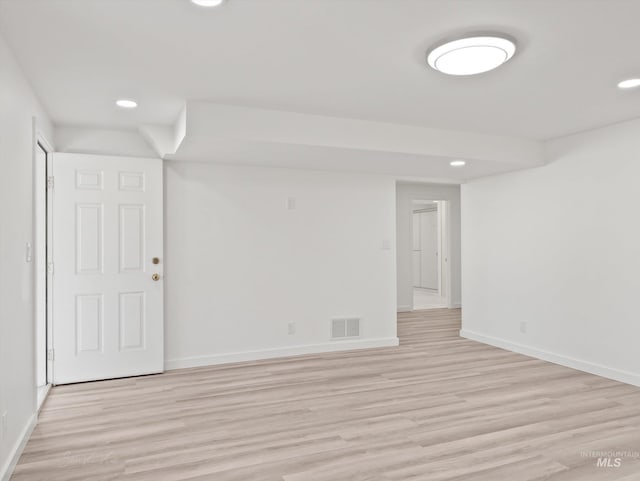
x=417 y=281
x=429 y=249
x=107 y=267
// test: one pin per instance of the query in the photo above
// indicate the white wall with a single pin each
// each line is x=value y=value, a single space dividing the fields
x=125 y=143
x=558 y=248
x=406 y=193
x=18 y=107
x=240 y=266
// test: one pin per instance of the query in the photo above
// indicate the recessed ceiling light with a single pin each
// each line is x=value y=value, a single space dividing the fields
x=471 y=55
x=457 y=163
x=208 y=3
x=126 y=103
x=629 y=83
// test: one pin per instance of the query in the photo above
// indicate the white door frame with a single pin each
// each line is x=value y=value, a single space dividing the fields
x=40 y=141
x=444 y=214
x=444 y=243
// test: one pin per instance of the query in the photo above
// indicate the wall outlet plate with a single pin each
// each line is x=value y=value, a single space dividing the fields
x=3 y=425
x=523 y=327
x=28 y=252
x=292 y=328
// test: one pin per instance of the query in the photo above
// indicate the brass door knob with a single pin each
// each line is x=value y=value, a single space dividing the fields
x=155 y=260
x=155 y=277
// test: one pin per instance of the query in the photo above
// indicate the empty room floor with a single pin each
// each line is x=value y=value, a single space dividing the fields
x=427 y=299
x=439 y=407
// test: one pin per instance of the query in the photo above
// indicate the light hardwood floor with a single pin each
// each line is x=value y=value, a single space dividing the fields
x=437 y=408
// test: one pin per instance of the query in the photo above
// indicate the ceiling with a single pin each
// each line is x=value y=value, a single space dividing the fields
x=358 y=59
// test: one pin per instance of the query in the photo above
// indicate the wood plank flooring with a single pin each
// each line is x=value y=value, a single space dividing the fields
x=436 y=408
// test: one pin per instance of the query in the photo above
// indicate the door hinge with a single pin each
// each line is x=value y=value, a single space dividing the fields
x=50 y=268
x=50 y=182
x=50 y=355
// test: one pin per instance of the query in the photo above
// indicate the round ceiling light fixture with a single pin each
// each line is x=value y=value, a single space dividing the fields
x=127 y=103
x=629 y=83
x=208 y=3
x=457 y=163
x=471 y=55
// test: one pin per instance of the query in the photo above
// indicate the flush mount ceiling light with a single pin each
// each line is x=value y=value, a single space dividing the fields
x=457 y=163
x=208 y=3
x=471 y=55
x=629 y=83
x=127 y=103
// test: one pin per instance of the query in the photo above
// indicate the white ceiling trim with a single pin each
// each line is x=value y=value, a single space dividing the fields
x=207 y=130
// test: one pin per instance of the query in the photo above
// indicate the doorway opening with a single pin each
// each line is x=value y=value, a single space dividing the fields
x=42 y=256
x=430 y=258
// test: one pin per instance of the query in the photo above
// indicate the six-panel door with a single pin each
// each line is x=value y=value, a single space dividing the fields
x=107 y=228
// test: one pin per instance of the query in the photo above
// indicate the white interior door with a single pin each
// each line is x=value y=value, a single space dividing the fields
x=429 y=249
x=107 y=303
x=443 y=251
x=416 y=255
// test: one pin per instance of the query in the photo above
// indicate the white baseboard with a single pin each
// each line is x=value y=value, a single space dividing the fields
x=456 y=305
x=334 y=346
x=579 y=364
x=14 y=454
x=41 y=395
x=404 y=309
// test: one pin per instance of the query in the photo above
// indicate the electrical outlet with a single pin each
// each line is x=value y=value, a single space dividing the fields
x=523 y=327
x=291 y=203
x=292 y=328
x=3 y=425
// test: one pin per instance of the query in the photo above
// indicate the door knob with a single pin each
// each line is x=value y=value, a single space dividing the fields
x=155 y=277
